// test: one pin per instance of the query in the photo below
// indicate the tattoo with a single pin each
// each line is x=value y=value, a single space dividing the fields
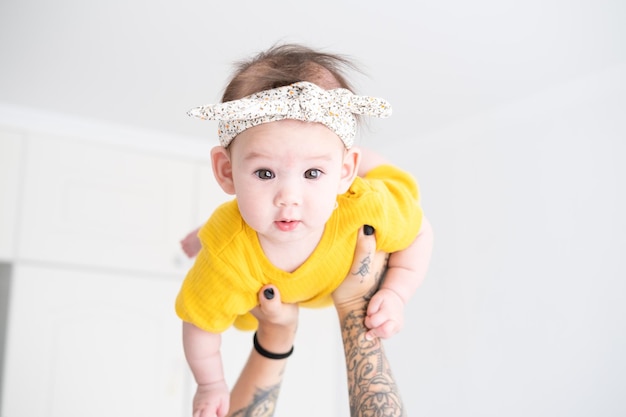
x=371 y=386
x=263 y=403
x=379 y=277
x=364 y=269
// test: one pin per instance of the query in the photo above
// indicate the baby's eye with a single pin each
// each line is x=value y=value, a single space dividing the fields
x=264 y=174
x=312 y=174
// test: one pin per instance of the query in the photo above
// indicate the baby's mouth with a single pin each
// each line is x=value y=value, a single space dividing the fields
x=287 y=225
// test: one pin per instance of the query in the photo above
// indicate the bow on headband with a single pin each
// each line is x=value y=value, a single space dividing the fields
x=300 y=101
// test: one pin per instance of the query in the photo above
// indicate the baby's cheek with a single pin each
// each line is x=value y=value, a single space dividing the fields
x=251 y=212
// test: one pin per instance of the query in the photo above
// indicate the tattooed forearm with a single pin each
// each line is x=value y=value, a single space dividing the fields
x=262 y=405
x=371 y=386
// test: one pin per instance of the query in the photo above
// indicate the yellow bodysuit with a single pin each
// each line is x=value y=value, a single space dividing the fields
x=223 y=284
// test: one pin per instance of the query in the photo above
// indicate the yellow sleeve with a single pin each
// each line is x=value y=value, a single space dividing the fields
x=398 y=193
x=216 y=290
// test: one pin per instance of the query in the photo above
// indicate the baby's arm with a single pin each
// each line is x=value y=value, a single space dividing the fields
x=406 y=271
x=202 y=350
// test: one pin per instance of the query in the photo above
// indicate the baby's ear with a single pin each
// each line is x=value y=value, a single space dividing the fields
x=349 y=169
x=222 y=169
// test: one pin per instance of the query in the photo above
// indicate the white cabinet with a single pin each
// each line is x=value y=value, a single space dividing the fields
x=96 y=268
x=10 y=157
x=92 y=204
x=85 y=343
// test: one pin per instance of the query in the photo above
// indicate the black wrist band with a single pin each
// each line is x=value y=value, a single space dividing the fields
x=267 y=354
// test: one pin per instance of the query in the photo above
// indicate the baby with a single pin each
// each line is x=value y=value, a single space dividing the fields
x=287 y=127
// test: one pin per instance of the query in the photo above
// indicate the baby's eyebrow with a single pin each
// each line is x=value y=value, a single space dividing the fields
x=316 y=161
x=256 y=155
x=322 y=157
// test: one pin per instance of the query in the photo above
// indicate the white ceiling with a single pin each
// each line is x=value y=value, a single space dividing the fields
x=144 y=63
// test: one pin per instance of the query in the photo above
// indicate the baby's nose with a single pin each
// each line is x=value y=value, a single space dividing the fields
x=288 y=195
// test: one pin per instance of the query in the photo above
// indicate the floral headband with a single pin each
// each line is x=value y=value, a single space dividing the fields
x=300 y=101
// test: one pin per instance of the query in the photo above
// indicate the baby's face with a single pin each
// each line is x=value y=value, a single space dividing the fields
x=287 y=175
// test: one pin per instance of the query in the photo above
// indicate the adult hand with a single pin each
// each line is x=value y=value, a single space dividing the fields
x=278 y=322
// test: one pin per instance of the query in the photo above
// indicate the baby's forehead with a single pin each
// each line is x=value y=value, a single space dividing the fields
x=283 y=134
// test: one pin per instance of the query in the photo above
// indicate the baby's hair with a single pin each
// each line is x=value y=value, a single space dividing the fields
x=287 y=64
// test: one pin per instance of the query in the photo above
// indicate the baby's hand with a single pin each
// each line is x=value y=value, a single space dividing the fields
x=385 y=314
x=211 y=400
x=191 y=244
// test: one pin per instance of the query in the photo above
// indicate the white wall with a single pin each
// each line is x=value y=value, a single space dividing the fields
x=524 y=309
